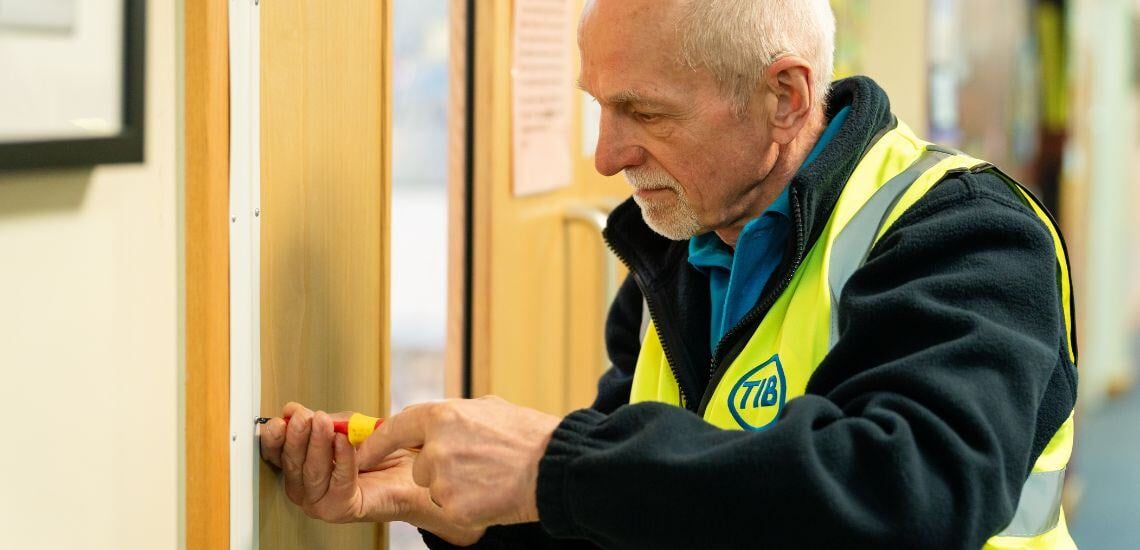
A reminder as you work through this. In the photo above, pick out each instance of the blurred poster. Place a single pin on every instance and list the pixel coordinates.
(947, 67)
(984, 82)
(542, 94)
(55, 15)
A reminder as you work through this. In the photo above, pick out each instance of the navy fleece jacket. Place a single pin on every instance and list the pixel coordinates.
(917, 430)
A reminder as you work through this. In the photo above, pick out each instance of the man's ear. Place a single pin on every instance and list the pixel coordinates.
(787, 83)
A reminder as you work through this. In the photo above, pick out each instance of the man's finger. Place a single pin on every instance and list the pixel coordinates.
(344, 473)
(272, 440)
(422, 468)
(293, 456)
(318, 460)
(291, 408)
(404, 430)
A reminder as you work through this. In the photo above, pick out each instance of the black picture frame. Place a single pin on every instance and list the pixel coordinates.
(125, 147)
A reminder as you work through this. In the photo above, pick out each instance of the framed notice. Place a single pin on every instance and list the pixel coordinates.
(73, 82)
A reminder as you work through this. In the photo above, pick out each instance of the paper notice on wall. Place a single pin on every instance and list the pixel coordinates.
(542, 92)
(55, 15)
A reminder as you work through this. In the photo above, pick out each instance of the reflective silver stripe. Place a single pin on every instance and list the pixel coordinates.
(1039, 508)
(854, 243)
(644, 319)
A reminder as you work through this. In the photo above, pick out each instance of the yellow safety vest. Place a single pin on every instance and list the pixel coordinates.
(801, 327)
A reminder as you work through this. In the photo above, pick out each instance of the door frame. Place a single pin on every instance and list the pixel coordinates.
(207, 248)
(207, 145)
(460, 198)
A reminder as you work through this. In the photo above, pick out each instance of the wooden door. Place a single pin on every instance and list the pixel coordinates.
(536, 304)
(324, 224)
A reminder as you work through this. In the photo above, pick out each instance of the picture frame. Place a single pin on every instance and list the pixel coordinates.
(125, 141)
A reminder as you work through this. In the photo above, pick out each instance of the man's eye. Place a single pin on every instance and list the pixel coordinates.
(646, 117)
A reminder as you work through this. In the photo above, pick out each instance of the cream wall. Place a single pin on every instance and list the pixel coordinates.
(887, 40)
(90, 339)
(895, 56)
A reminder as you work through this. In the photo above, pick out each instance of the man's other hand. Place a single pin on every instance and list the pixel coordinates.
(479, 460)
(320, 471)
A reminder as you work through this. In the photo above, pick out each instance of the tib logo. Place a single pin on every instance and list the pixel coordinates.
(758, 397)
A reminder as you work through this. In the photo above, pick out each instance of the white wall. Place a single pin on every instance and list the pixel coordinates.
(90, 339)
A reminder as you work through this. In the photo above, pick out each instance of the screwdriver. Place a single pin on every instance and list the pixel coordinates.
(358, 426)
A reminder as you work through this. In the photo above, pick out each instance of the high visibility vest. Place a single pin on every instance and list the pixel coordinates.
(802, 325)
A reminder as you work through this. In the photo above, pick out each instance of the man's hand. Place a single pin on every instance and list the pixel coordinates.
(321, 476)
(479, 459)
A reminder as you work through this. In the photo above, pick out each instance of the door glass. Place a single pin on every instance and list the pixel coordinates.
(419, 211)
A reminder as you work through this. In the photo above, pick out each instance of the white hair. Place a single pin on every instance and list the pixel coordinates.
(737, 40)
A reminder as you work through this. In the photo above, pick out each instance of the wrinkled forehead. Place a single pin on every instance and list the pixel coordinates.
(629, 38)
(646, 9)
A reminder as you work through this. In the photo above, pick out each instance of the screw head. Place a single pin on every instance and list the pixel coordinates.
(233, 219)
(234, 438)
(257, 212)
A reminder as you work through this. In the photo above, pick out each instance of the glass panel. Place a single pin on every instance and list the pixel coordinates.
(419, 211)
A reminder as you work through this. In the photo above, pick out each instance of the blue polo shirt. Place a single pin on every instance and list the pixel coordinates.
(736, 278)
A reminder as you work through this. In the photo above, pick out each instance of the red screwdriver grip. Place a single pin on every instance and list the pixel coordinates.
(340, 426)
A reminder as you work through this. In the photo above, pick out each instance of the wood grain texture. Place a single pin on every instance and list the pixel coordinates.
(324, 249)
(537, 326)
(456, 200)
(207, 274)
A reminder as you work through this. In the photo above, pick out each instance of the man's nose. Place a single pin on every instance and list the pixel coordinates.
(617, 150)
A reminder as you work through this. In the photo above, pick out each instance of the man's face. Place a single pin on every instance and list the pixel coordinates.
(694, 161)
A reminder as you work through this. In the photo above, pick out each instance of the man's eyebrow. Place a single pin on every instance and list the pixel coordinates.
(624, 98)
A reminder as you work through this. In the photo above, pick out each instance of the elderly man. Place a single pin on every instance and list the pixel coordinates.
(834, 334)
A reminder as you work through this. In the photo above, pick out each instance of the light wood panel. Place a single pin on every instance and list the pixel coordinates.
(454, 352)
(207, 274)
(325, 196)
(537, 325)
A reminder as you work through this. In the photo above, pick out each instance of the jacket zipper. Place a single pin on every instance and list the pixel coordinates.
(757, 312)
(770, 299)
(649, 302)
